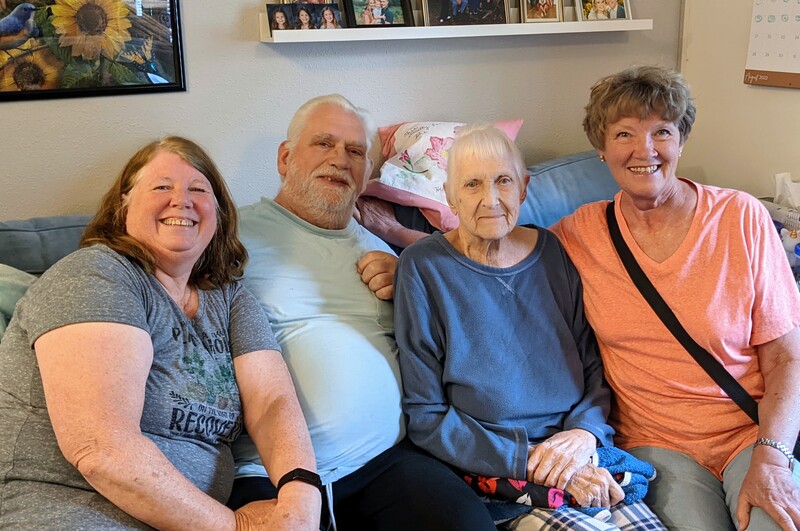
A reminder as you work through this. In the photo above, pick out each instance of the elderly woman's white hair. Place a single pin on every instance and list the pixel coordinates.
(483, 141)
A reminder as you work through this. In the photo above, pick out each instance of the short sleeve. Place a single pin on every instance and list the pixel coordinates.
(90, 285)
(250, 329)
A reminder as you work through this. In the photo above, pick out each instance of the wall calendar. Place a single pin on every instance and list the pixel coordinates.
(773, 56)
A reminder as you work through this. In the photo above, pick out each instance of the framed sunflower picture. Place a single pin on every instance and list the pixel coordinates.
(75, 48)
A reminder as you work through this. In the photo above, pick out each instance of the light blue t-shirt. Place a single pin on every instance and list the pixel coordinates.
(337, 338)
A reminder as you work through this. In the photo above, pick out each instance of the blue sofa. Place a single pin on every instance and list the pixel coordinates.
(557, 187)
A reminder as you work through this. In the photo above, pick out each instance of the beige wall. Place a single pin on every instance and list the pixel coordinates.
(59, 156)
(744, 134)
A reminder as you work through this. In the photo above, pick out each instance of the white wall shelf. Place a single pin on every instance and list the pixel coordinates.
(442, 32)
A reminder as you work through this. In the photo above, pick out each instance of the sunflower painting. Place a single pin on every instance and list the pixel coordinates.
(61, 48)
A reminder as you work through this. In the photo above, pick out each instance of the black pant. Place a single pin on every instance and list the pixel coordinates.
(402, 489)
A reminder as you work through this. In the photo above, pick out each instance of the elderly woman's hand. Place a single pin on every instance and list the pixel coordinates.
(292, 513)
(255, 515)
(595, 487)
(377, 271)
(554, 461)
(773, 489)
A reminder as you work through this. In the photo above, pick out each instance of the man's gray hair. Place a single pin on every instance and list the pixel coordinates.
(301, 117)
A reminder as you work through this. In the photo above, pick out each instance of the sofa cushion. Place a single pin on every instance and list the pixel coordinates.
(13, 285)
(559, 186)
(34, 244)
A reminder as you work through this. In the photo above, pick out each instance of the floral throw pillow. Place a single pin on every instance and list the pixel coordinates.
(416, 166)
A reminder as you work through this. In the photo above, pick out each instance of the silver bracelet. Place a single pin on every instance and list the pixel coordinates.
(782, 448)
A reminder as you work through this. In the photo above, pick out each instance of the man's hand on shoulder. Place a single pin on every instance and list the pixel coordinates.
(377, 216)
(377, 271)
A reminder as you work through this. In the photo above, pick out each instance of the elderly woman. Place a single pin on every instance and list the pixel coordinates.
(501, 373)
(127, 367)
(714, 256)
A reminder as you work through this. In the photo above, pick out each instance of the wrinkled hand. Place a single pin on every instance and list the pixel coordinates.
(376, 215)
(297, 511)
(255, 515)
(595, 487)
(773, 489)
(377, 271)
(554, 461)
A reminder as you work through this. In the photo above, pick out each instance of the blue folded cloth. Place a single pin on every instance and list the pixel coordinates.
(633, 475)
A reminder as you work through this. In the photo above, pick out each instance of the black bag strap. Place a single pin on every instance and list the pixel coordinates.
(708, 362)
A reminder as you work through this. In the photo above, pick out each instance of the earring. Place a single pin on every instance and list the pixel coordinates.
(602, 158)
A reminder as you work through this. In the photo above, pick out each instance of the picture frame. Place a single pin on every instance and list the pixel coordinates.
(599, 10)
(59, 55)
(329, 16)
(294, 13)
(303, 16)
(465, 12)
(541, 10)
(379, 13)
(280, 17)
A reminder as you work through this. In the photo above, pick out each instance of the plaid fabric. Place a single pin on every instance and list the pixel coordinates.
(636, 516)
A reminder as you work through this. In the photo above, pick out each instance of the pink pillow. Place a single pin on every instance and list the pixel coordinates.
(416, 166)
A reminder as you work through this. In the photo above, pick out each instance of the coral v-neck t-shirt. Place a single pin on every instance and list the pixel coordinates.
(731, 287)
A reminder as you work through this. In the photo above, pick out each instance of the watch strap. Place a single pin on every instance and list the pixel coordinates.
(300, 474)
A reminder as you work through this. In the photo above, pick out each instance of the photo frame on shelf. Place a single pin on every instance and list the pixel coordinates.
(329, 16)
(280, 17)
(465, 12)
(303, 16)
(378, 13)
(602, 10)
(134, 48)
(541, 10)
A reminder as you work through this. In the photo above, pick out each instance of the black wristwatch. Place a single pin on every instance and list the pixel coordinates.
(301, 474)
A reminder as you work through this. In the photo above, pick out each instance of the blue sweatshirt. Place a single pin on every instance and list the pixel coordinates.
(493, 359)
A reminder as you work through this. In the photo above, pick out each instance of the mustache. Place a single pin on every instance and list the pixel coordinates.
(333, 172)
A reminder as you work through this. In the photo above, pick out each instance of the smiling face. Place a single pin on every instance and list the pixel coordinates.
(280, 19)
(172, 210)
(642, 155)
(327, 14)
(486, 194)
(304, 17)
(326, 169)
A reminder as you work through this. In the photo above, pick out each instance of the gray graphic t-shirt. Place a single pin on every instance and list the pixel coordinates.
(192, 409)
